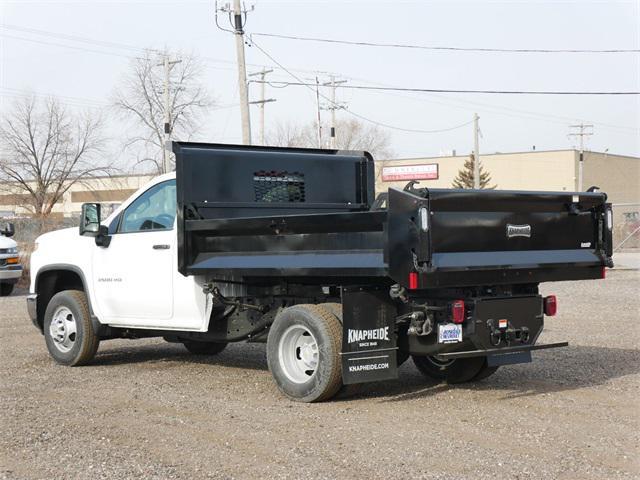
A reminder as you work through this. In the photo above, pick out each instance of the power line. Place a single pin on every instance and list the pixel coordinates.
(77, 38)
(30, 93)
(444, 90)
(351, 112)
(101, 43)
(43, 42)
(445, 100)
(443, 48)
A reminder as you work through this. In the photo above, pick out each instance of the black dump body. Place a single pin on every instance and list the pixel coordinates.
(261, 214)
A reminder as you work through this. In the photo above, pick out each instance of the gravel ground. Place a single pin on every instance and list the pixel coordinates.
(147, 409)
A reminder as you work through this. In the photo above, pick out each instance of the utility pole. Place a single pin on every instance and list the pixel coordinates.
(333, 107)
(262, 100)
(476, 152)
(242, 73)
(318, 109)
(581, 131)
(167, 64)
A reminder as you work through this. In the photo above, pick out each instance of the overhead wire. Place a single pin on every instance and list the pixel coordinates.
(447, 90)
(443, 48)
(448, 100)
(351, 112)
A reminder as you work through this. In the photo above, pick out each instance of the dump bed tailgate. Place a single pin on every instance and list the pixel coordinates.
(468, 237)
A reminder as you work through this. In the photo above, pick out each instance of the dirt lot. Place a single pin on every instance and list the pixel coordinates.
(147, 409)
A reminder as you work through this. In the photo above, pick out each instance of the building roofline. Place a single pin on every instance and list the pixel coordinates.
(507, 153)
(98, 177)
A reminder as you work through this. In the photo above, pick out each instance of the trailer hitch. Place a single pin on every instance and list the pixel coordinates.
(507, 333)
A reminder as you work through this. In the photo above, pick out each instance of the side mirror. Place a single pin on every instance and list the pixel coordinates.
(103, 239)
(90, 219)
(9, 230)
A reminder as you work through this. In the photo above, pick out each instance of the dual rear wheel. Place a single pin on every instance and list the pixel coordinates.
(459, 370)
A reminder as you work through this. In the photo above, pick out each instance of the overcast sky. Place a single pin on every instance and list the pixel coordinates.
(84, 74)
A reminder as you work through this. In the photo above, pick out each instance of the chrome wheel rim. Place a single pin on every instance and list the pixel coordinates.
(298, 354)
(63, 329)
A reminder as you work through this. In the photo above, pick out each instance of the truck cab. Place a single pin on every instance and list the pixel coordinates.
(134, 281)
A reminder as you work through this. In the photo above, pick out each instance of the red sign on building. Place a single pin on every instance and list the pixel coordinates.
(410, 172)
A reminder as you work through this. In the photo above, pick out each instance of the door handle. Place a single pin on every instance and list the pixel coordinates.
(161, 247)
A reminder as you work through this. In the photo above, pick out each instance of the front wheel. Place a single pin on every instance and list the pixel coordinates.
(68, 331)
(303, 353)
(458, 370)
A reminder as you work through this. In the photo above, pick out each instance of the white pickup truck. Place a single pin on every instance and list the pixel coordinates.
(10, 268)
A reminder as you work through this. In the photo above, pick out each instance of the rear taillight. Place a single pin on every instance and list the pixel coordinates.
(457, 311)
(603, 273)
(550, 305)
(413, 281)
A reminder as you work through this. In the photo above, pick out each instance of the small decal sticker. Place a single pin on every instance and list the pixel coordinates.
(518, 231)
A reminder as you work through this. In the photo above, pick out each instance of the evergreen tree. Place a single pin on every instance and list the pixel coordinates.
(464, 179)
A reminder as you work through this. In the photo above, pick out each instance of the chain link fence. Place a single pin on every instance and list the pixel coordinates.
(626, 226)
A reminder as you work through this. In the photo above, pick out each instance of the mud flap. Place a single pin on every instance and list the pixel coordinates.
(368, 336)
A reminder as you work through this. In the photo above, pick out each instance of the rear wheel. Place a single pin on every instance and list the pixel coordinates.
(452, 371)
(485, 371)
(6, 289)
(204, 348)
(68, 330)
(303, 353)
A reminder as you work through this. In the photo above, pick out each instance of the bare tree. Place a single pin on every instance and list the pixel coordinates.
(351, 134)
(46, 149)
(140, 98)
(288, 135)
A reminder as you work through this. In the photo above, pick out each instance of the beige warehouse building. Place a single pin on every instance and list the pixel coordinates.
(109, 190)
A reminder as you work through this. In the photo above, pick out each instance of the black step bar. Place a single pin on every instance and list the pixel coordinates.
(501, 351)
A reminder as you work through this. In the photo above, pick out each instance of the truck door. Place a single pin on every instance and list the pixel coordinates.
(133, 277)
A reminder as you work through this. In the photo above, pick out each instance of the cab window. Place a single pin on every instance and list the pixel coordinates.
(155, 209)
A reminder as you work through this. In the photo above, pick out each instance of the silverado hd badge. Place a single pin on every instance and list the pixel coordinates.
(518, 230)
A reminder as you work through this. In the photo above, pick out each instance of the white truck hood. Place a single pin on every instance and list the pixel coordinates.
(6, 242)
(58, 236)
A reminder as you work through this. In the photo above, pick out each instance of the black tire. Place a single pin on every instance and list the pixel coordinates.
(83, 344)
(485, 372)
(6, 289)
(401, 357)
(204, 348)
(335, 308)
(325, 332)
(459, 370)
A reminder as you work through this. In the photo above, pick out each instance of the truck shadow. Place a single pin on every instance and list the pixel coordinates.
(565, 369)
(250, 356)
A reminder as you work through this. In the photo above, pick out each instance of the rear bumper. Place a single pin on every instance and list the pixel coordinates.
(32, 309)
(502, 351)
(504, 356)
